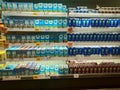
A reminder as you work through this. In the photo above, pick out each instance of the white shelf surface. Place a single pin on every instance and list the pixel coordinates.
(48, 58)
(57, 76)
(40, 30)
(96, 58)
(34, 14)
(97, 43)
(41, 44)
(91, 58)
(93, 15)
(95, 29)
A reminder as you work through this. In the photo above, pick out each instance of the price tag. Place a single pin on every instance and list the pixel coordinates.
(37, 43)
(41, 77)
(4, 78)
(70, 30)
(37, 29)
(70, 44)
(35, 14)
(76, 75)
(44, 77)
(38, 59)
(35, 77)
(46, 13)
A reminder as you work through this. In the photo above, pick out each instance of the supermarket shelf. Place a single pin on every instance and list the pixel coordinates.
(85, 75)
(87, 43)
(34, 14)
(92, 58)
(48, 58)
(96, 43)
(95, 58)
(40, 30)
(95, 30)
(93, 15)
(41, 44)
(36, 77)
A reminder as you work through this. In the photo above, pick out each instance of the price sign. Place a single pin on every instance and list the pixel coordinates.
(70, 30)
(35, 14)
(38, 59)
(70, 44)
(4, 78)
(35, 77)
(37, 43)
(37, 29)
(76, 75)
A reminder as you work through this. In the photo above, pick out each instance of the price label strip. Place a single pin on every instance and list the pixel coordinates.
(37, 29)
(37, 43)
(6, 78)
(35, 14)
(41, 77)
(76, 75)
(38, 59)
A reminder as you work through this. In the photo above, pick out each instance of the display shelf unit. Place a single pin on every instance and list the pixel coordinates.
(53, 81)
(97, 15)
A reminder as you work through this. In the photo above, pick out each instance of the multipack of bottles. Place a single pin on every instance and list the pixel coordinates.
(43, 7)
(39, 23)
(109, 10)
(94, 37)
(82, 9)
(36, 51)
(85, 9)
(36, 37)
(78, 67)
(18, 23)
(93, 50)
(60, 23)
(93, 22)
(33, 68)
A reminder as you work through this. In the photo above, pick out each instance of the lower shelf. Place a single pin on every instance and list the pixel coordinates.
(63, 83)
(64, 76)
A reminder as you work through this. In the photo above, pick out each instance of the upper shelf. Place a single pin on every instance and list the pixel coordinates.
(34, 14)
(93, 15)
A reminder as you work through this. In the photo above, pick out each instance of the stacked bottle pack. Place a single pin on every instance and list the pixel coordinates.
(44, 7)
(78, 67)
(82, 9)
(93, 22)
(94, 37)
(21, 23)
(48, 68)
(85, 9)
(36, 51)
(109, 10)
(50, 23)
(40, 23)
(36, 37)
(94, 50)
(33, 68)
